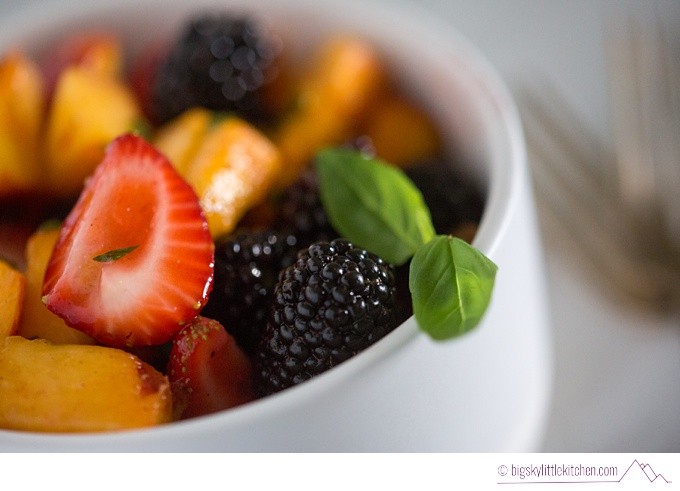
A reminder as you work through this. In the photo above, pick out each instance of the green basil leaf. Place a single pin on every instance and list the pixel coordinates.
(451, 284)
(373, 204)
(115, 254)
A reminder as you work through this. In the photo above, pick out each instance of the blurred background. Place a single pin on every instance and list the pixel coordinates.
(617, 365)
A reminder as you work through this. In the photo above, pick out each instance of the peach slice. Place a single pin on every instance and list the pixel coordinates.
(89, 110)
(22, 107)
(180, 138)
(233, 170)
(12, 290)
(231, 165)
(76, 388)
(401, 132)
(36, 320)
(344, 79)
(101, 52)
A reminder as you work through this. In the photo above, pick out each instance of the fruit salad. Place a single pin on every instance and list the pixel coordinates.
(202, 226)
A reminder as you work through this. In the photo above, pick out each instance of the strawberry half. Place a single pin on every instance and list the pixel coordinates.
(134, 260)
(207, 370)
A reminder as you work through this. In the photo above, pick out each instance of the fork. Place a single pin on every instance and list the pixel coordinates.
(619, 204)
(644, 73)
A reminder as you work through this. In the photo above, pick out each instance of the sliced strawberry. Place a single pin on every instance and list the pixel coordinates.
(207, 370)
(134, 259)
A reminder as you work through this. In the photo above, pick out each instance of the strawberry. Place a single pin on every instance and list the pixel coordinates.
(207, 370)
(134, 259)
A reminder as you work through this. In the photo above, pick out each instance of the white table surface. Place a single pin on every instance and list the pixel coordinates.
(617, 370)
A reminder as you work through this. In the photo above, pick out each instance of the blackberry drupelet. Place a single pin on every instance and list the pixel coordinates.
(247, 266)
(300, 210)
(222, 63)
(332, 303)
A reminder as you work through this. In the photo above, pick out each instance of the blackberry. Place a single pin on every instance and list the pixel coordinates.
(451, 198)
(300, 210)
(332, 303)
(247, 266)
(220, 62)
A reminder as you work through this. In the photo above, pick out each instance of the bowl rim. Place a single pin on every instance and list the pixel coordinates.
(506, 177)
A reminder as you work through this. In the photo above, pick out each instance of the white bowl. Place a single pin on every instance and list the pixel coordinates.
(485, 391)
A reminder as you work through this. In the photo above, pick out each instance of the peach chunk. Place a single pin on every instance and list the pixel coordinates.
(231, 165)
(344, 80)
(22, 106)
(401, 132)
(36, 320)
(12, 288)
(78, 388)
(89, 109)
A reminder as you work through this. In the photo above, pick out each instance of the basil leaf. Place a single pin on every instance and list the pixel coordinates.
(451, 284)
(373, 204)
(115, 254)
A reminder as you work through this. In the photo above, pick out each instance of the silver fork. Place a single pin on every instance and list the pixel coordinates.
(620, 204)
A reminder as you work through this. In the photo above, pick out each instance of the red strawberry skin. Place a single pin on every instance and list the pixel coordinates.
(134, 199)
(207, 370)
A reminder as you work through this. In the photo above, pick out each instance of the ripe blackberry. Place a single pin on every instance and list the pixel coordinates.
(451, 198)
(332, 303)
(300, 210)
(247, 266)
(220, 62)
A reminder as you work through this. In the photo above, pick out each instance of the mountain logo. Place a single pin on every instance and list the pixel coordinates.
(636, 467)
